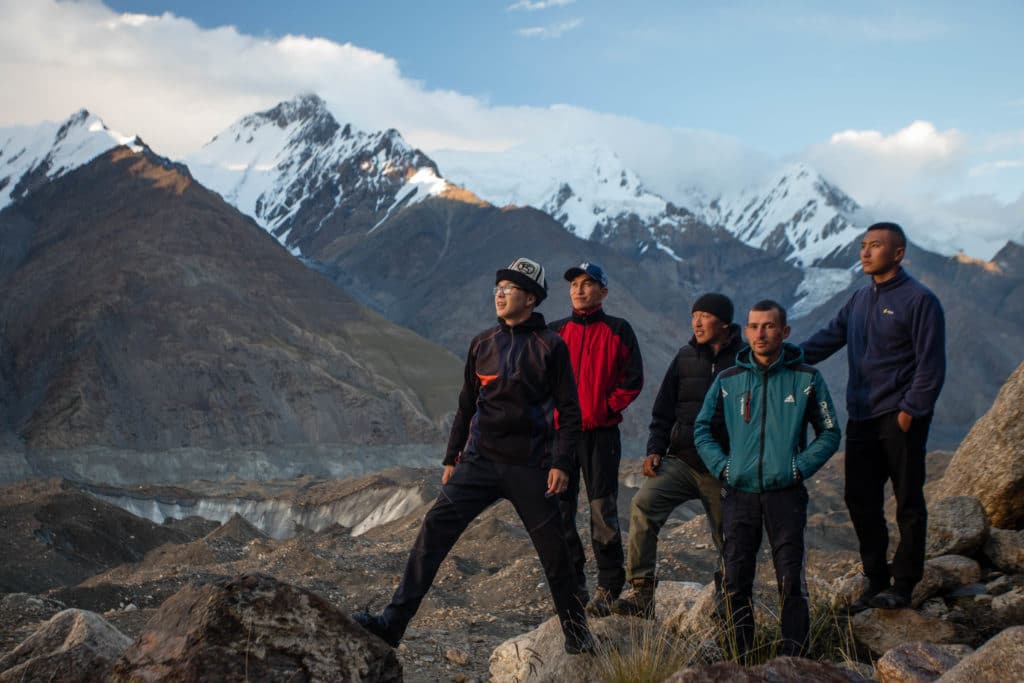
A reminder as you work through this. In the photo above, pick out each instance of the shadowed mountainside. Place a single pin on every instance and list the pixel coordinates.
(141, 311)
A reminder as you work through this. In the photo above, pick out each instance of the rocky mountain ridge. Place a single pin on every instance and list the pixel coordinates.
(140, 311)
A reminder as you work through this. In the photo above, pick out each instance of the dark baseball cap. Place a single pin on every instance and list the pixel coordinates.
(591, 270)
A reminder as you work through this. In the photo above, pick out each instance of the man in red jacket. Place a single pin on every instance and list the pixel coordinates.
(609, 374)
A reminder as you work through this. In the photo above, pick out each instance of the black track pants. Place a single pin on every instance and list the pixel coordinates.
(598, 453)
(475, 484)
(878, 450)
(783, 514)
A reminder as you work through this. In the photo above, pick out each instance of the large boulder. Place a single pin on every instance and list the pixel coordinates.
(778, 670)
(254, 628)
(989, 464)
(956, 526)
(1005, 549)
(942, 574)
(881, 630)
(21, 614)
(74, 645)
(918, 662)
(1000, 659)
(539, 655)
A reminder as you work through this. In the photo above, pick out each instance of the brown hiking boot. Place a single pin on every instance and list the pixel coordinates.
(639, 602)
(601, 604)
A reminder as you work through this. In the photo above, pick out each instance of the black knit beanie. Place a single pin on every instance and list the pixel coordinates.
(716, 304)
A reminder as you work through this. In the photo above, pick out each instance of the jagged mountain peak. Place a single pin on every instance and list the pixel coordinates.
(30, 156)
(796, 214)
(295, 169)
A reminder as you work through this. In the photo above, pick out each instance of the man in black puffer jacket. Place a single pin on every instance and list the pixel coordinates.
(503, 444)
(675, 473)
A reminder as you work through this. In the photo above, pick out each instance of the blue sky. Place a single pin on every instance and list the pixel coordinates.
(777, 75)
(913, 108)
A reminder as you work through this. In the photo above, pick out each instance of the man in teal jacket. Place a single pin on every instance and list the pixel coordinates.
(766, 401)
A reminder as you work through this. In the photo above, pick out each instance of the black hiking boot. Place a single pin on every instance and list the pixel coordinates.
(375, 624)
(891, 598)
(864, 601)
(639, 602)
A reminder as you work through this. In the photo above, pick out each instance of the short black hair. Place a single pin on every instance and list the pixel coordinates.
(895, 229)
(771, 305)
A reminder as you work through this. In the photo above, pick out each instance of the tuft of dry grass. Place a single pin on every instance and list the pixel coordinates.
(652, 652)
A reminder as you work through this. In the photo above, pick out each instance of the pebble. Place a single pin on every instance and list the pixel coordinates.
(457, 657)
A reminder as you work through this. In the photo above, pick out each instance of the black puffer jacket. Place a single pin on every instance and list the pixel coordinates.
(515, 378)
(682, 394)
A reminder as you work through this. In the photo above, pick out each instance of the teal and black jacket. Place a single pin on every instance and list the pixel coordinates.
(766, 413)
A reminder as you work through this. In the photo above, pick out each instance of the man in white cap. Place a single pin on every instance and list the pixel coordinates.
(503, 444)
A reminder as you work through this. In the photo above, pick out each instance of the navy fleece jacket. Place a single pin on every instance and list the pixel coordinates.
(895, 338)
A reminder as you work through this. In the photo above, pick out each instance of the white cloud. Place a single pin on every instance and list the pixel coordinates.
(551, 31)
(538, 5)
(177, 85)
(873, 166)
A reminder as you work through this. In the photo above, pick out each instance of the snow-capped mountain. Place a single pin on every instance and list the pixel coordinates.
(583, 188)
(295, 169)
(33, 155)
(799, 215)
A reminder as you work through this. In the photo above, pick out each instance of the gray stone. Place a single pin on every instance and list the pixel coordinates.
(778, 670)
(1008, 608)
(999, 660)
(989, 464)
(539, 655)
(945, 573)
(1006, 550)
(882, 630)
(918, 662)
(74, 645)
(956, 526)
(254, 628)
(1000, 585)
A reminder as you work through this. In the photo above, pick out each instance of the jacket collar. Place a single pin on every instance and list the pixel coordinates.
(734, 344)
(588, 317)
(791, 355)
(895, 281)
(535, 321)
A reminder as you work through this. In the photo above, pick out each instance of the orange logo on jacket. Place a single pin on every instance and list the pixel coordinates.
(485, 379)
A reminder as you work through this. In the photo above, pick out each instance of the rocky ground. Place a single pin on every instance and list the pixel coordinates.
(65, 547)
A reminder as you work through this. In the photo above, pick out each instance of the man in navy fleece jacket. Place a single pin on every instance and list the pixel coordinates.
(894, 331)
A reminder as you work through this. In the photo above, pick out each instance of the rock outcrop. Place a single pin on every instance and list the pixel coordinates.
(778, 670)
(989, 464)
(882, 630)
(1006, 550)
(74, 645)
(956, 526)
(254, 628)
(918, 662)
(1000, 659)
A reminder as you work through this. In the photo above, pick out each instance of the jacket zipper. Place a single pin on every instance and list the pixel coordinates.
(764, 422)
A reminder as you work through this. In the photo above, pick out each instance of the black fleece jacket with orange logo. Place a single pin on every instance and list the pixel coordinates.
(515, 378)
